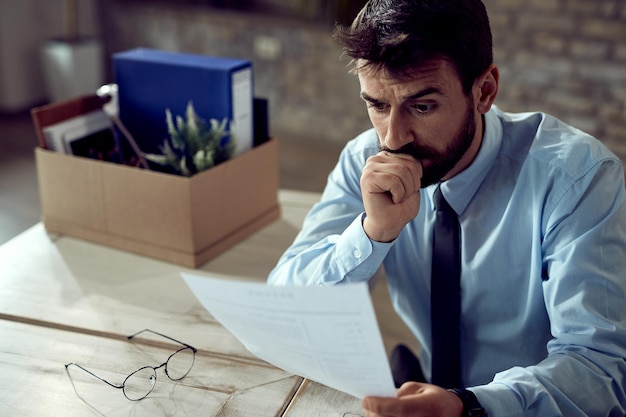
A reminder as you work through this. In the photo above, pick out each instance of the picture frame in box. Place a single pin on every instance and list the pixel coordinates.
(80, 126)
(87, 135)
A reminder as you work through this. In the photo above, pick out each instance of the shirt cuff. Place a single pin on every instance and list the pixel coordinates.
(497, 400)
(360, 257)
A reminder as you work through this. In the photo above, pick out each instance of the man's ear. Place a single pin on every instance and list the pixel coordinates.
(486, 88)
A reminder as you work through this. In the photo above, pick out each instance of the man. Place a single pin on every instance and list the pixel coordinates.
(541, 214)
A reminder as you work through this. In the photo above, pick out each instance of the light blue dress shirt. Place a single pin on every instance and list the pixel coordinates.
(542, 210)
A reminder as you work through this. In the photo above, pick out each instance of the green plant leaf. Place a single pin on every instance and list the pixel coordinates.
(193, 144)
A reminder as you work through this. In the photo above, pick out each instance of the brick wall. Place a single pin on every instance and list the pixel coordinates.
(311, 94)
(565, 57)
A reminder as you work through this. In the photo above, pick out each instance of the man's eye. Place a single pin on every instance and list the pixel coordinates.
(379, 107)
(424, 108)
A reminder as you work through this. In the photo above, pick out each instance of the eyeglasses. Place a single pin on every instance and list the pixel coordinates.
(140, 383)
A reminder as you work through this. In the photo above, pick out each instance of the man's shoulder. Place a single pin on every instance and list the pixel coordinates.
(549, 141)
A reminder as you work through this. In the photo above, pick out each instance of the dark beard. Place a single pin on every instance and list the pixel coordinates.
(442, 163)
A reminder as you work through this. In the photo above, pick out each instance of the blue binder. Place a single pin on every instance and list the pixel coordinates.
(151, 81)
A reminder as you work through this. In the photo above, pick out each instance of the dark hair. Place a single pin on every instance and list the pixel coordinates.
(402, 35)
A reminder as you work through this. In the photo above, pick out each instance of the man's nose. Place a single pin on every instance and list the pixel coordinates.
(398, 132)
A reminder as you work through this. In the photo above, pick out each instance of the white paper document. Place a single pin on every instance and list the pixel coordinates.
(326, 334)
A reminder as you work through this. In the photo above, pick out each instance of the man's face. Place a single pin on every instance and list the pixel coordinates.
(426, 115)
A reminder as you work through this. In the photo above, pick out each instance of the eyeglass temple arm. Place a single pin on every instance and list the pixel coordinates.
(67, 365)
(162, 335)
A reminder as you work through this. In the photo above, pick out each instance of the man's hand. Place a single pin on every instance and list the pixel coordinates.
(415, 399)
(390, 185)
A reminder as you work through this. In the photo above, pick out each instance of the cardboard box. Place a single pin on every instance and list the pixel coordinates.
(178, 219)
(184, 220)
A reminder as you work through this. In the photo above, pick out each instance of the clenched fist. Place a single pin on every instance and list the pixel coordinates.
(390, 185)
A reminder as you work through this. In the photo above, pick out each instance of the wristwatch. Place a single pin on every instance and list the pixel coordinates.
(471, 406)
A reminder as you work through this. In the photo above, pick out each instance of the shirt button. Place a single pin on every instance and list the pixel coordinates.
(357, 254)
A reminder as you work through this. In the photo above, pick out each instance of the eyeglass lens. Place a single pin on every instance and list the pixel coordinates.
(140, 383)
(179, 363)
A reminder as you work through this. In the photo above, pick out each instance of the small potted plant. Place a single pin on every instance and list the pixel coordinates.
(72, 63)
(193, 145)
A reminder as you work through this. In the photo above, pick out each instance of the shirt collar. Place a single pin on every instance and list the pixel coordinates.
(459, 190)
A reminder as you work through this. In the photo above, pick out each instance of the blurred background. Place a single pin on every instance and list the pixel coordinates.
(564, 57)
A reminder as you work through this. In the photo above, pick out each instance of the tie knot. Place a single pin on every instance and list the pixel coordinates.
(440, 202)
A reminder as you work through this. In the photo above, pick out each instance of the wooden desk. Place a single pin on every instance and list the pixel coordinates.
(66, 300)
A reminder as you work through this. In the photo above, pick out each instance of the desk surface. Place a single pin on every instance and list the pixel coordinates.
(66, 300)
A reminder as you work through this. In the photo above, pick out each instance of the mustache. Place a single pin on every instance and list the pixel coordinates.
(418, 152)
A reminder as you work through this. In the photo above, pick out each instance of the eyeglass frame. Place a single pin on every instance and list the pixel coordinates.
(154, 368)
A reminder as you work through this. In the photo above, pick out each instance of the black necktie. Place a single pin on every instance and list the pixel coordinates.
(446, 297)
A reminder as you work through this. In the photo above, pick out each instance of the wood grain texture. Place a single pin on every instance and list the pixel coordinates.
(67, 300)
(35, 382)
